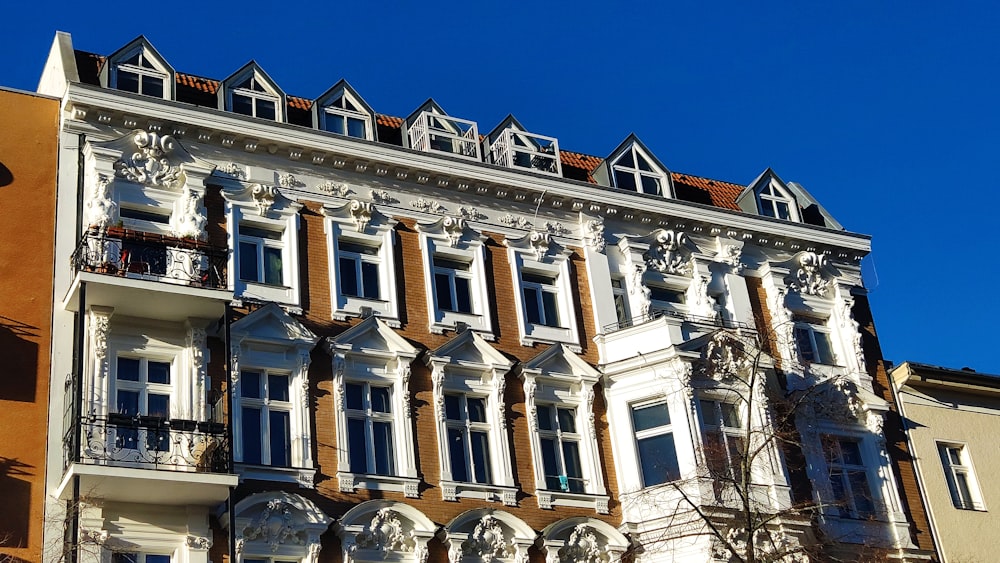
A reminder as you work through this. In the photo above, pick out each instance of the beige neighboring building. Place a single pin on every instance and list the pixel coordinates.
(953, 418)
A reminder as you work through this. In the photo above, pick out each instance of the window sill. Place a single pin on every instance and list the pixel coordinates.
(349, 482)
(547, 500)
(454, 490)
(570, 343)
(449, 321)
(304, 477)
(349, 307)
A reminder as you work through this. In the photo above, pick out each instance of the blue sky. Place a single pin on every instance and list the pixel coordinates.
(885, 112)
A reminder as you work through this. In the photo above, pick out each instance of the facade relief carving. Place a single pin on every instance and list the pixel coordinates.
(809, 277)
(385, 533)
(487, 541)
(188, 219)
(339, 189)
(263, 197)
(668, 253)
(100, 205)
(150, 163)
(361, 213)
(453, 228)
(583, 547)
(593, 235)
(274, 526)
(539, 242)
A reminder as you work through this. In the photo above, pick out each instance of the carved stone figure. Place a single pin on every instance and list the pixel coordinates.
(150, 163)
(808, 278)
(188, 220)
(100, 206)
(385, 533)
(668, 254)
(487, 540)
(593, 235)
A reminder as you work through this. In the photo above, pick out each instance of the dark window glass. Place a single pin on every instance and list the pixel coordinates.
(335, 123)
(248, 262)
(650, 185)
(265, 109)
(272, 266)
(531, 310)
(644, 418)
(625, 180)
(357, 444)
(369, 274)
(128, 81)
(551, 309)
(545, 417)
(158, 372)
(380, 399)
(277, 387)
(152, 86)
(355, 396)
(250, 421)
(481, 457)
(477, 409)
(658, 459)
(128, 369)
(158, 405)
(355, 127)
(250, 387)
(348, 277)
(442, 291)
(128, 402)
(382, 436)
(574, 468)
(281, 454)
(456, 453)
(452, 407)
(463, 296)
(567, 420)
(550, 465)
(242, 104)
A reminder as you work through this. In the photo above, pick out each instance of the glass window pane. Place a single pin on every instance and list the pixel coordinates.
(463, 295)
(348, 277)
(658, 459)
(128, 402)
(258, 232)
(477, 409)
(250, 384)
(863, 502)
(158, 405)
(335, 123)
(644, 418)
(965, 495)
(452, 407)
(248, 262)
(277, 387)
(574, 467)
(824, 350)
(124, 557)
(158, 372)
(447, 264)
(708, 416)
(803, 341)
(128, 369)
(626, 160)
(250, 424)
(356, 127)
(551, 308)
(157, 559)
(355, 396)
(545, 417)
(456, 453)
(783, 212)
(128, 81)
(380, 399)
(152, 86)
(355, 248)
(625, 180)
(650, 185)
(730, 415)
(357, 445)
(767, 208)
(481, 457)
(531, 310)
(281, 439)
(242, 104)
(955, 455)
(382, 436)
(265, 109)
(369, 274)
(851, 452)
(643, 163)
(550, 464)
(442, 292)
(567, 420)
(272, 266)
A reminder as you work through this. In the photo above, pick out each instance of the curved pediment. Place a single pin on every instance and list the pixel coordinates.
(149, 158)
(453, 229)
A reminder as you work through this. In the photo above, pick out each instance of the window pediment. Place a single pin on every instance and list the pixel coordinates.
(265, 200)
(385, 530)
(488, 535)
(280, 523)
(272, 324)
(559, 363)
(632, 167)
(343, 111)
(453, 230)
(362, 215)
(582, 540)
(469, 351)
(252, 92)
(372, 336)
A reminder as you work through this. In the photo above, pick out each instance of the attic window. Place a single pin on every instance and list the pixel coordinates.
(774, 203)
(434, 132)
(344, 116)
(520, 149)
(251, 98)
(633, 171)
(140, 75)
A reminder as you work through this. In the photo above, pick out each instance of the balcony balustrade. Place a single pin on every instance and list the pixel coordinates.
(520, 149)
(440, 133)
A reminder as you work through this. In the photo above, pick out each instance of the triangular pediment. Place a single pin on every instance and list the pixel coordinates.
(150, 54)
(471, 350)
(372, 336)
(430, 106)
(271, 323)
(557, 360)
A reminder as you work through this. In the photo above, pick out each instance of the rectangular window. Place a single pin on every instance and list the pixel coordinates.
(344, 122)
(621, 301)
(265, 418)
(724, 438)
(541, 298)
(369, 428)
(961, 481)
(655, 444)
(848, 477)
(813, 343)
(359, 269)
(142, 392)
(453, 285)
(468, 438)
(260, 255)
(560, 444)
(137, 74)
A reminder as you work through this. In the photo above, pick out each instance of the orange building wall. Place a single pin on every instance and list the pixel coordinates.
(28, 142)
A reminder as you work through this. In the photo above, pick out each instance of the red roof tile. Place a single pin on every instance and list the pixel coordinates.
(388, 120)
(200, 84)
(721, 194)
(299, 103)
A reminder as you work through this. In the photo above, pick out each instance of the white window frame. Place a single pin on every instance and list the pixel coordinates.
(138, 556)
(265, 404)
(559, 379)
(260, 245)
(450, 239)
(375, 231)
(254, 96)
(772, 194)
(637, 173)
(461, 133)
(668, 429)
(619, 291)
(717, 425)
(327, 110)
(240, 210)
(355, 361)
(479, 374)
(145, 199)
(525, 256)
(850, 511)
(964, 468)
(159, 70)
(812, 328)
(370, 417)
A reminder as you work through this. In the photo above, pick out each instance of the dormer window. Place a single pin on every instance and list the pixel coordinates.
(251, 98)
(343, 117)
(634, 172)
(774, 203)
(138, 74)
(511, 146)
(429, 129)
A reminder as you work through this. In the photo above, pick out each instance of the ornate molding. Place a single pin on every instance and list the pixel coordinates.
(288, 180)
(428, 206)
(453, 228)
(361, 213)
(150, 163)
(339, 189)
(539, 242)
(188, 219)
(100, 206)
(385, 533)
(471, 213)
(233, 169)
(488, 541)
(593, 235)
(556, 227)
(198, 542)
(668, 253)
(518, 222)
(808, 278)
(583, 547)
(263, 197)
(274, 526)
(382, 197)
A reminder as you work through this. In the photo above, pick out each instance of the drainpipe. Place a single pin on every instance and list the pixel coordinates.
(80, 329)
(229, 433)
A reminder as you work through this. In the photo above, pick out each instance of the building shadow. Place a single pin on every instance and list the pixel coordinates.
(20, 376)
(6, 177)
(15, 492)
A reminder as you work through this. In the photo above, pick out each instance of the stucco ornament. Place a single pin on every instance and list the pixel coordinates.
(385, 533)
(732, 255)
(100, 206)
(854, 329)
(361, 213)
(840, 402)
(339, 189)
(583, 547)
(150, 163)
(769, 546)
(667, 254)
(453, 228)
(808, 278)
(263, 197)
(539, 243)
(273, 525)
(488, 540)
(188, 220)
(288, 180)
(198, 542)
(726, 358)
(428, 205)
(593, 235)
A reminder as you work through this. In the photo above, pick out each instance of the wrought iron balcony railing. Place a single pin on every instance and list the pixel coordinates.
(149, 443)
(716, 321)
(140, 255)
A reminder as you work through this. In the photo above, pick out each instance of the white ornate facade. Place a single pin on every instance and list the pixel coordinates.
(338, 330)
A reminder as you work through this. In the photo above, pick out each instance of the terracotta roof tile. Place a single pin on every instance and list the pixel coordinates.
(719, 193)
(200, 84)
(299, 103)
(388, 120)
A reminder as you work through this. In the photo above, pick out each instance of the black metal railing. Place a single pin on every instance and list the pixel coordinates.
(136, 254)
(149, 443)
(716, 321)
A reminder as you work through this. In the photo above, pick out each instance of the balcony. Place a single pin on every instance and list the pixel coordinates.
(121, 266)
(148, 459)
(434, 132)
(520, 149)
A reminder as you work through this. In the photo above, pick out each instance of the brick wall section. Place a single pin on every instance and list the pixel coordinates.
(415, 320)
(895, 438)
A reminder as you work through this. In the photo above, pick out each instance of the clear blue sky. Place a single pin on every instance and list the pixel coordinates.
(887, 113)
